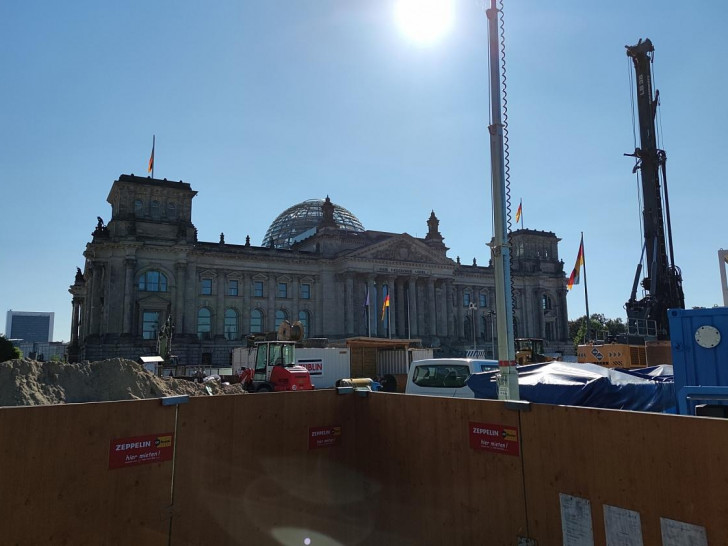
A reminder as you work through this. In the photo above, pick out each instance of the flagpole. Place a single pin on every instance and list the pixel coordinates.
(586, 293)
(151, 158)
(389, 320)
(409, 326)
(369, 323)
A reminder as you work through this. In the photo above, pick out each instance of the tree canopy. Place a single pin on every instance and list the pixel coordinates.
(600, 327)
(8, 351)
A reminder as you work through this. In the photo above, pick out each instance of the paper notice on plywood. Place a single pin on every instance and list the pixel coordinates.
(576, 522)
(622, 527)
(678, 533)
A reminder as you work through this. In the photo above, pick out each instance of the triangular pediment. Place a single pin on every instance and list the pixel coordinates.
(401, 248)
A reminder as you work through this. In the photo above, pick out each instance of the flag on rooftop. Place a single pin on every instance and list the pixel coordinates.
(151, 158)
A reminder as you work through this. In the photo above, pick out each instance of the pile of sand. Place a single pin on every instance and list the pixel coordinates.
(30, 383)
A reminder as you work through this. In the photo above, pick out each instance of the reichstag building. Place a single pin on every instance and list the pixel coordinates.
(317, 264)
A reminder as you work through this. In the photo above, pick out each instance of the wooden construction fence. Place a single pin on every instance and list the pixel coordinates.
(346, 469)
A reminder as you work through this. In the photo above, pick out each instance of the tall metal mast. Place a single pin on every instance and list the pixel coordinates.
(663, 280)
(508, 381)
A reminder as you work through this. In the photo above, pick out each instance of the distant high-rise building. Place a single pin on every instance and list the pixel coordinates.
(29, 326)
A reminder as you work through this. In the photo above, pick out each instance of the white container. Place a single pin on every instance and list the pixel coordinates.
(326, 365)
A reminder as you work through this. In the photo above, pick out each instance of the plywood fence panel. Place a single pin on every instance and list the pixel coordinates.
(660, 466)
(55, 483)
(430, 486)
(245, 473)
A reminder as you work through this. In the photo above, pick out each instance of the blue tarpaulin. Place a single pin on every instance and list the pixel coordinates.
(590, 385)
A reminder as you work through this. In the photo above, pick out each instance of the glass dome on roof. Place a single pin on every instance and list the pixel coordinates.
(300, 221)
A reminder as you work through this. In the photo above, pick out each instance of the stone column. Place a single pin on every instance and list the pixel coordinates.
(401, 307)
(180, 269)
(219, 329)
(190, 302)
(562, 328)
(96, 307)
(431, 310)
(270, 312)
(371, 311)
(129, 291)
(245, 309)
(413, 306)
(296, 287)
(440, 298)
(76, 303)
(449, 309)
(318, 303)
(349, 305)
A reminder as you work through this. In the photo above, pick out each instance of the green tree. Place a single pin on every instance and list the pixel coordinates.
(8, 351)
(600, 327)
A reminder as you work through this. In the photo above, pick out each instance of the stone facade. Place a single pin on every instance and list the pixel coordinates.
(147, 265)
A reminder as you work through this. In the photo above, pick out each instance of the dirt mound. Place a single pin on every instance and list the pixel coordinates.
(30, 383)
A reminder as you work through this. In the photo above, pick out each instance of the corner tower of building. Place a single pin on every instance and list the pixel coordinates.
(148, 207)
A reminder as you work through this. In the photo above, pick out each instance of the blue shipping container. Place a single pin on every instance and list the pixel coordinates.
(699, 340)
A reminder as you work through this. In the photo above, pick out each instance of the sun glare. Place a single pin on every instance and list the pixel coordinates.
(424, 21)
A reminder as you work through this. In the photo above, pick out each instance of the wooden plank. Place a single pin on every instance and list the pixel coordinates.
(55, 483)
(658, 465)
(246, 467)
(432, 488)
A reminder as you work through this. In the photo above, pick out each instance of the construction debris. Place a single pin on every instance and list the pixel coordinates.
(30, 383)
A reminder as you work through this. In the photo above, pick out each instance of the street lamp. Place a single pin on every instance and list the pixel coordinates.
(473, 307)
(491, 314)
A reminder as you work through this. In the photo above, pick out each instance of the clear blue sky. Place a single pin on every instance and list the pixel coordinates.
(261, 104)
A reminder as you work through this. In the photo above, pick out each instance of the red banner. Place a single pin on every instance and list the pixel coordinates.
(152, 448)
(324, 436)
(494, 438)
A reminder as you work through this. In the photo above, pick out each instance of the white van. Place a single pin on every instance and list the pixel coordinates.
(445, 376)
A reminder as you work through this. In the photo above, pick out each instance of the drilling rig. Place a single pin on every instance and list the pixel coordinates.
(647, 320)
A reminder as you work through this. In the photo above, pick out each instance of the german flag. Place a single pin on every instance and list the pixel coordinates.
(385, 305)
(151, 158)
(576, 273)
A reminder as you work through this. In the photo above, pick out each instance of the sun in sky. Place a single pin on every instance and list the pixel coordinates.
(424, 21)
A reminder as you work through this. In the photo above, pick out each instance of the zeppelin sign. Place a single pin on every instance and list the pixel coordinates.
(495, 438)
(153, 448)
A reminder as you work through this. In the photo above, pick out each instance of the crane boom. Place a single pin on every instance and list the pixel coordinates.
(663, 280)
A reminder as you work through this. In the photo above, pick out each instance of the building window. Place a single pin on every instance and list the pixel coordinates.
(256, 321)
(138, 207)
(233, 288)
(150, 324)
(153, 281)
(483, 300)
(206, 287)
(204, 323)
(231, 324)
(546, 302)
(281, 315)
(282, 289)
(466, 299)
(258, 289)
(171, 210)
(305, 291)
(155, 210)
(305, 319)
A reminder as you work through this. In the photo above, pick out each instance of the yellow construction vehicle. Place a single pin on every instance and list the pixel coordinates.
(529, 350)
